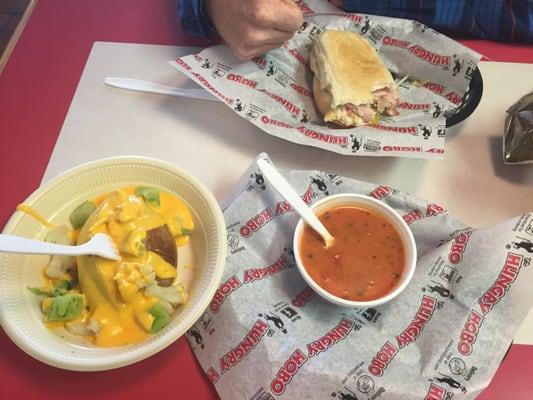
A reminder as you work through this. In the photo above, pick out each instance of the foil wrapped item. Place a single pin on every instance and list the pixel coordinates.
(518, 134)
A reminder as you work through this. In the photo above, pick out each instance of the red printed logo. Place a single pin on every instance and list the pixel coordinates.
(256, 223)
(434, 87)
(435, 393)
(331, 338)
(323, 137)
(458, 247)
(469, 333)
(388, 41)
(411, 130)
(260, 61)
(415, 328)
(436, 150)
(283, 206)
(303, 297)
(269, 121)
(412, 106)
(429, 56)
(182, 63)
(437, 88)
(303, 7)
(301, 90)
(380, 192)
(405, 149)
(224, 291)
(431, 211)
(287, 372)
(354, 18)
(293, 109)
(242, 80)
(419, 51)
(434, 209)
(412, 216)
(453, 98)
(382, 360)
(298, 56)
(255, 274)
(209, 87)
(240, 352)
(213, 375)
(502, 284)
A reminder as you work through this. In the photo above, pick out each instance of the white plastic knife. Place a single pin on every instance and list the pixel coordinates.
(151, 87)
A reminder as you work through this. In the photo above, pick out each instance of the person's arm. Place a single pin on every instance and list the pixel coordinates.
(488, 19)
(194, 18)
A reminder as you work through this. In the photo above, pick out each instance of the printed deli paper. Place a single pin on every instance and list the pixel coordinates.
(274, 91)
(267, 335)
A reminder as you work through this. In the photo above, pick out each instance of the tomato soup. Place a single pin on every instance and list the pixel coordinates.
(366, 260)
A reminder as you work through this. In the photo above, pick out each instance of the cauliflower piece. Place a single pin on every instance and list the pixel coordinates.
(130, 209)
(175, 294)
(131, 277)
(93, 326)
(59, 265)
(79, 326)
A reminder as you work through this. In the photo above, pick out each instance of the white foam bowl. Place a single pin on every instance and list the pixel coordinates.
(20, 314)
(371, 204)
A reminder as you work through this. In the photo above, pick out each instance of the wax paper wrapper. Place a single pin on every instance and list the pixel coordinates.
(274, 91)
(518, 135)
(267, 335)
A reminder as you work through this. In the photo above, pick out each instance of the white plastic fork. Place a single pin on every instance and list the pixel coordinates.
(99, 245)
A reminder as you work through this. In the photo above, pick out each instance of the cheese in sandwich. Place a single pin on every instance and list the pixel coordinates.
(351, 86)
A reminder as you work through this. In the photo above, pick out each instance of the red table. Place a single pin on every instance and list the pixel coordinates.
(36, 89)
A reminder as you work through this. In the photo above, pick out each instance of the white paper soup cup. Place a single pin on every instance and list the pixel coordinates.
(376, 206)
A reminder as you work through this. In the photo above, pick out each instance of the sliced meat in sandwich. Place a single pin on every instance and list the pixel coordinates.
(351, 86)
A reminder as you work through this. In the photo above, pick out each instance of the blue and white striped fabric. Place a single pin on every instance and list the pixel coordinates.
(505, 20)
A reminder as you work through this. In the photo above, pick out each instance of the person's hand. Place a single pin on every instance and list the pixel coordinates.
(253, 27)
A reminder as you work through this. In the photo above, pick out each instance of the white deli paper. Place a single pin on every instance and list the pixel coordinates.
(267, 335)
(274, 91)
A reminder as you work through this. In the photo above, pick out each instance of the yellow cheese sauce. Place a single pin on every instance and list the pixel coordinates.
(30, 211)
(117, 310)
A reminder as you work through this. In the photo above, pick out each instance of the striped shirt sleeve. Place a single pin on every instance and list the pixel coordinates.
(194, 19)
(505, 20)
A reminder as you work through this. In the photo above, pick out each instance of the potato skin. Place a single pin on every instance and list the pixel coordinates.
(160, 241)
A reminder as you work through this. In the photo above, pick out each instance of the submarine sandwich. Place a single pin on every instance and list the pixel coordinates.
(351, 86)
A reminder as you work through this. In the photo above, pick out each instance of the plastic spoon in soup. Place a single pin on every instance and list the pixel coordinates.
(288, 193)
(99, 245)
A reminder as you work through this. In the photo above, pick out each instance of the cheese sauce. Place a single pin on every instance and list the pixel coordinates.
(119, 297)
(112, 288)
(30, 211)
(366, 260)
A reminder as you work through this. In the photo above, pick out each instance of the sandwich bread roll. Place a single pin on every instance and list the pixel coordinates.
(351, 86)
